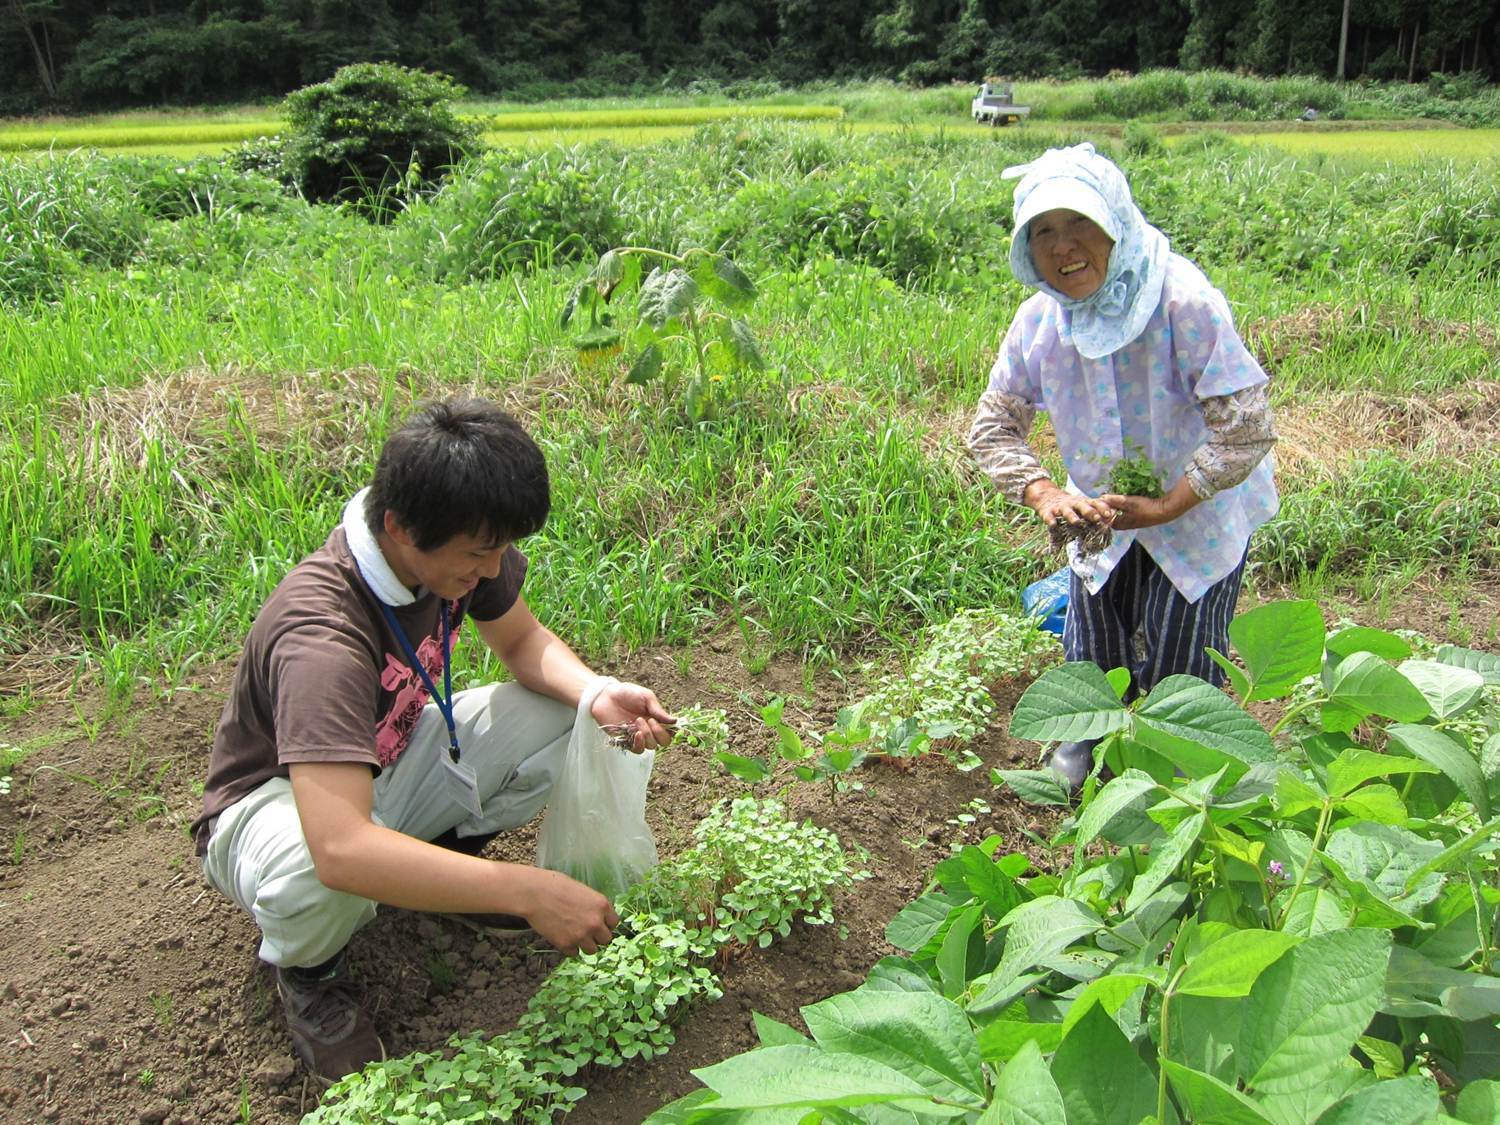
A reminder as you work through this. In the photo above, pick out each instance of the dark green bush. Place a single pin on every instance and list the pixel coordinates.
(375, 133)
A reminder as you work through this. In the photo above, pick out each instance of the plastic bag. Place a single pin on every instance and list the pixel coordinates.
(595, 828)
(1047, 601)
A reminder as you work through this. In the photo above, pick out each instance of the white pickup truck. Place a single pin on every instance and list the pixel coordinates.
(993, 105)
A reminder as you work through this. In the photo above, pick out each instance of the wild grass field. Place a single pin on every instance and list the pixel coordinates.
(197, 368)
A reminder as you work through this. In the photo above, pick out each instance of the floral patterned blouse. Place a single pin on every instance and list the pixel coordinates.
(1186, 393)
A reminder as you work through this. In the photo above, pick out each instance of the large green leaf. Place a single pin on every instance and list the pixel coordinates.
(963, 946)
(922, 1035)
(1412, 1100)
(972, 872)
(1417, 986)
(1126, 792)
(667, 295)
(1108, 992)
(806, 1076)
(1230, 966)
(701, 1107)
(1487, 664)
(1003, 1039)
(721, 279)
(1280, 644)
(1068, 702)
(647, 365)
(1166, 857)
(1361, 638)
(1355, 765)
(747, 769)
(1449, 857)
(898, 974)
(1025, 1093)
(1316, 910)
(1207, 1099)
(919, 922)
(1191, 709)
(1304, 1013)
(1102, 1079)
(1382, 857)
(1435, 747)
(1447, 689)
(1034, 931)
(1364, 685)
(774, 1033)
(742, 344)
(1205, 1030)
(1380, 803)
(1141, 928)
(1035, 787)
(1479, 1103)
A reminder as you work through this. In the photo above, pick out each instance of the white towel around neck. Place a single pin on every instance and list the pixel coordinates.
(373, 568)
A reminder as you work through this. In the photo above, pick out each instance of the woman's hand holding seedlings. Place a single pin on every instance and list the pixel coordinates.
(1134, 512)
(1053, 504)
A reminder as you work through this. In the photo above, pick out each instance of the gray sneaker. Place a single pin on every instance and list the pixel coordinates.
(1073, 761)
(330, 1031)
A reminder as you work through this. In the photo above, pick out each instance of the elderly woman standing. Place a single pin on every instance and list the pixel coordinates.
(1130, 350)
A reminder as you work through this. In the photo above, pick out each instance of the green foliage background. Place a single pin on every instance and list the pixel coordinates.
(68, 53)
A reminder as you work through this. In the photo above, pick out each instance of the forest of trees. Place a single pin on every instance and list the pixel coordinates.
(72, 54)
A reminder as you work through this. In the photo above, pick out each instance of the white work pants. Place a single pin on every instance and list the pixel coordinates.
(512, 738)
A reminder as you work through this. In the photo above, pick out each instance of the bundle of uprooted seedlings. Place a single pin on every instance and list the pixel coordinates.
(1091, 537)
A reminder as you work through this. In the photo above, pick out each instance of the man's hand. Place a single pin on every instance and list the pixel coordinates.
(633, 705)
(573, 917)
(1144, 511)
(1053, 505)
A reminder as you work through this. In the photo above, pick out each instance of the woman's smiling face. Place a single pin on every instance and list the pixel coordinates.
(1070, 252)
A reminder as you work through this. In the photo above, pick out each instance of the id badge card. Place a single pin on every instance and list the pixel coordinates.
(462, 785)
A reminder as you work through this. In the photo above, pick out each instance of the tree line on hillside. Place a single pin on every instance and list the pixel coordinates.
(72, 54)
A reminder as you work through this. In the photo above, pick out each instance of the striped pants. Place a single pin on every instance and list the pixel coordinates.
(1139, 621)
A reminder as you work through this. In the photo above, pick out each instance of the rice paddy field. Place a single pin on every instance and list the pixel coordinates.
(196, 367)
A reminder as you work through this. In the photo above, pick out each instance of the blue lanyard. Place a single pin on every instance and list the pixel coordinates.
(444, 702)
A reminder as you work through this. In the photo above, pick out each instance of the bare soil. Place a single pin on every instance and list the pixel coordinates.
(130, 990)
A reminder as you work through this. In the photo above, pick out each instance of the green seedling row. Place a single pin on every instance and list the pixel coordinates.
(749, 877)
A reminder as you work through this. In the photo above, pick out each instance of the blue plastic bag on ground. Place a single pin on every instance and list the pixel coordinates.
(1047, 600)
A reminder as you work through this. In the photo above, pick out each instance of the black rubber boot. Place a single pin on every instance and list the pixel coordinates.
(1073, 761)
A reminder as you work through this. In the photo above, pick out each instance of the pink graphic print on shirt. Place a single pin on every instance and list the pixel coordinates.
(393, 731)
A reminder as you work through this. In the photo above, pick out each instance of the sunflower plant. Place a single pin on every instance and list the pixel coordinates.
(676, 316)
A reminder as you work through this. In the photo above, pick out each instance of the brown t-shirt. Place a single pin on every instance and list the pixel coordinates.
(323, 679)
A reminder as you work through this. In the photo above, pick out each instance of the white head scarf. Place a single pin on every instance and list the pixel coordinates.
(1081, 180)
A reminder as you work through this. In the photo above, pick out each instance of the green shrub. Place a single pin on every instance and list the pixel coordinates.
(1210, 95)
(166, 189)
(913, 224)
(375, 132)
(58, 212)
(508, 209)
(1142, 140)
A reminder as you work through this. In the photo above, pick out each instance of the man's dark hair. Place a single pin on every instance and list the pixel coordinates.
(461, 467)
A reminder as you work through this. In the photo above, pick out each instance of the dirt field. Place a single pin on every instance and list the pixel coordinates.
(131, 991)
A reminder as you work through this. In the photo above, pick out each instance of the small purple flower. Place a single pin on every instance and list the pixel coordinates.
(1275, 869)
